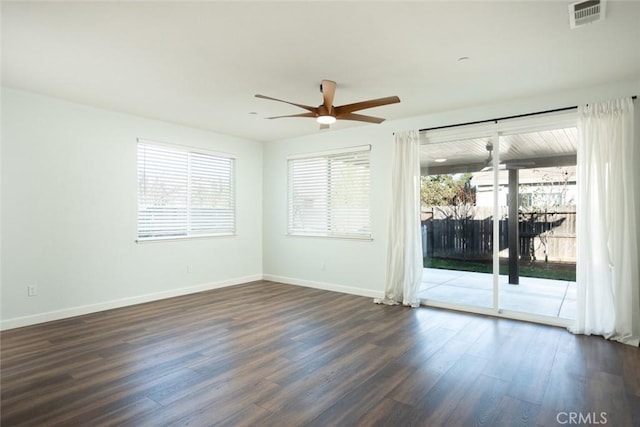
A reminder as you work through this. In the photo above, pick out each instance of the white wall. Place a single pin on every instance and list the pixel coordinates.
(352, 266)
(68, 218)
(360, 267)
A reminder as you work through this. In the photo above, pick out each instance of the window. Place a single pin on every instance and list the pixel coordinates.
(329, 194)
(184, 192)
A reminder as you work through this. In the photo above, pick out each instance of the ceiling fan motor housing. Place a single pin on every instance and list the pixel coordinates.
(322, 110)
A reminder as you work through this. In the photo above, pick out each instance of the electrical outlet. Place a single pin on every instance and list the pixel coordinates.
(189, 268)
(323, 266)
(32, 290)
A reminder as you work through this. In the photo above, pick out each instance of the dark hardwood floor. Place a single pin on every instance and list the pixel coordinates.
(268, 354)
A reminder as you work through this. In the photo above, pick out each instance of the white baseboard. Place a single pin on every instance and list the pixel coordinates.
(325, 286)
(19, 322)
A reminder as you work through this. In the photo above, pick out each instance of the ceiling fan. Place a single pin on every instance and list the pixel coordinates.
(326, 114)
(504, 165)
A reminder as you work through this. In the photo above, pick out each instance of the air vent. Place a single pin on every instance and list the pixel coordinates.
(586, 12)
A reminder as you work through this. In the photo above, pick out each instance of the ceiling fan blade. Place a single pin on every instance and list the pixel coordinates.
(306, 107)
(363, 105)
(360, 118)
(294, 115)
(328, 88)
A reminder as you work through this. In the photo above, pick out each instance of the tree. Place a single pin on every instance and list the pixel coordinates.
(542, 202)
(452, 195)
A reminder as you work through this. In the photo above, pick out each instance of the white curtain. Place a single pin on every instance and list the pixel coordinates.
(404, 257)
(607, 255)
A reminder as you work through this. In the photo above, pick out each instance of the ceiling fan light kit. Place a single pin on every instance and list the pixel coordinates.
(327, 114)
(326, 120)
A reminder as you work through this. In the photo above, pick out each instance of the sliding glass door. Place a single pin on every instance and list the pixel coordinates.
(539, 230)
(457, 223)
(498, 220)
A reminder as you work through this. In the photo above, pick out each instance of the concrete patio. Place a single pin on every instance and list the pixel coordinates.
(554, 298)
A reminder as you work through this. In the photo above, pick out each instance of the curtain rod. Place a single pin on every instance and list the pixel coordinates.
(557, 110)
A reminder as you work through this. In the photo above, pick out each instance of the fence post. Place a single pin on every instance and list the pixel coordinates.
(424, 240)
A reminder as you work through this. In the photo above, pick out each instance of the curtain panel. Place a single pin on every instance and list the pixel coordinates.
(404, 256)
(607, 276)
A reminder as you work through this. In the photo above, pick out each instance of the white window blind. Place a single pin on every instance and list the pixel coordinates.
(329, 194)
(184, 192)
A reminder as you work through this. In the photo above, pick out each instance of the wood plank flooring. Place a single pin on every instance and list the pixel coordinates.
(269, 354)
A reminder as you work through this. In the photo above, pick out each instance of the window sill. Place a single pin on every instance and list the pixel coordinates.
(178, 238)
(322, 236)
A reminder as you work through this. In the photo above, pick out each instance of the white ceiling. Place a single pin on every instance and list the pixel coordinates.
(200, 63)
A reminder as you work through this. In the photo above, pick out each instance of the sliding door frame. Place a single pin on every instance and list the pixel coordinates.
(495, 131)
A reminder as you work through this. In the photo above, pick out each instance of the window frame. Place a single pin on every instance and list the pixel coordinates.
(331, 218)
(189, 150)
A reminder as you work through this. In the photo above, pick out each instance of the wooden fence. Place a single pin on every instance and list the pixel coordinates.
(543, 235)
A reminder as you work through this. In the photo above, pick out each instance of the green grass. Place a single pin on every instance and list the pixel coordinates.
(539, 269)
